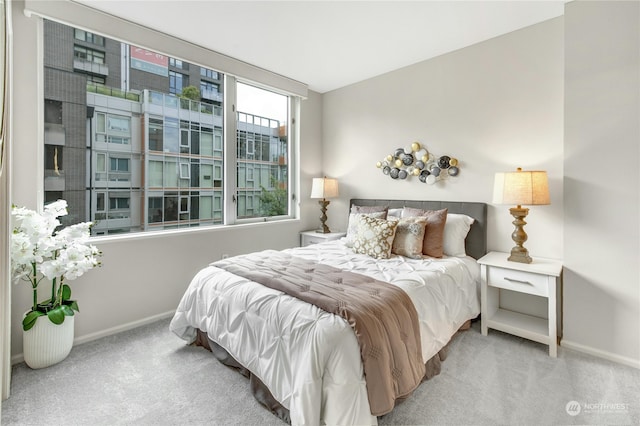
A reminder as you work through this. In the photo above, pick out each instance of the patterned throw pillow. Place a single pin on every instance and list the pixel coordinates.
(374, 237)
(352, 227)
(410, 237)
(434, 232)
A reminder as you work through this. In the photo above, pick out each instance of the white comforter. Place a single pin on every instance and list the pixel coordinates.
(307, 357)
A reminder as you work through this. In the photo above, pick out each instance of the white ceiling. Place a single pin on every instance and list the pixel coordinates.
(331, 44)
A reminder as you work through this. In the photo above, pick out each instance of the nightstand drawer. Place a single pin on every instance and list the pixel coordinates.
(523, 282)
(308, 239)
(313, 237)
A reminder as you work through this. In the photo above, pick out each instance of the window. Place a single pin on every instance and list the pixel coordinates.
(261, 144)
(53, 159)
(156, 160)
(89, 37)
(52, 111)
(88, 55)
(177, 63)
(184, 171)
(213, 75)
(206, 86)
(209, 91)
(113, 128)
(101, 208)
(177, 82)
(119, 165)
(118, 211)
(96, 79)
(155, 134)
(118, 202)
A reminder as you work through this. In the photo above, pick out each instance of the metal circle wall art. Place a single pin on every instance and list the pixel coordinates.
(416, 161)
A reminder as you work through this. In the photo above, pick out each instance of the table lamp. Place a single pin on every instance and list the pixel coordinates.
(520, 188)
(324, 188)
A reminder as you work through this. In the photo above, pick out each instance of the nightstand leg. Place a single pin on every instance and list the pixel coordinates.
(553, 318)
(484, 314)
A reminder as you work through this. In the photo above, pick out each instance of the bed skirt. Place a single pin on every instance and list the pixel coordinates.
(264, 396)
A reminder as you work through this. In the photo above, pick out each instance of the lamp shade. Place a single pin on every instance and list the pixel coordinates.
(324, 188)
(521, 188)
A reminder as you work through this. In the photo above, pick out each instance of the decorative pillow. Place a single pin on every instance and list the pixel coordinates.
(369, 209)
(394, 213)
(410, 237)
(433, 244)
(375, 236)
(353, 223)
(455, 233)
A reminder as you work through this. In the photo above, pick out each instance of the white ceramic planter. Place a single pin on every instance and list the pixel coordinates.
(46, 343)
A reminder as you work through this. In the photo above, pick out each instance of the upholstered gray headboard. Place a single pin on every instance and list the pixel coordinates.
(476, 242)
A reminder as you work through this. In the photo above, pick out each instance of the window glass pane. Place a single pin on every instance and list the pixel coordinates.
(52, 112)
(119, 124)
(152, 126)
(101, 123)
(171, 173)
(101, 160)
(171, 135)
(100, 201)
(125, 121)
(206, 175)
(184, 170)
(170, 208)
(217, 146)
(155, 173)
(53, 159)
(206, 207)
(206, 142)
(155, 134)
(262, 147)
(155, 210)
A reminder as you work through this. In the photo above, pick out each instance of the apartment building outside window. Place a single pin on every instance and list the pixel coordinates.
(177, 82)
(210, 74)
(88, 37)
(88, 55)
(177, 63)
(153, 158)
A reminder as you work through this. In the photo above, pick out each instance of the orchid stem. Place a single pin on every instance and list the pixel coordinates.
(34, 286)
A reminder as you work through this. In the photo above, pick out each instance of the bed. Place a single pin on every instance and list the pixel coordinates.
(306, 364)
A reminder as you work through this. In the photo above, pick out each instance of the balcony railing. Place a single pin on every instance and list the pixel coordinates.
(90, 67)
(112, 91)
(212, 95)
(172, 101)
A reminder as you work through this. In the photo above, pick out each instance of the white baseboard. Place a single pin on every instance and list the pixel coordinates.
(108, 332)
(567, 344)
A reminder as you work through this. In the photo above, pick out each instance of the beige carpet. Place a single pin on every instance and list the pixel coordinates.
(148, 376)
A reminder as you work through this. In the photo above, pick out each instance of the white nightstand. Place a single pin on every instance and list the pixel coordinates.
(542, 277)
(313, 237)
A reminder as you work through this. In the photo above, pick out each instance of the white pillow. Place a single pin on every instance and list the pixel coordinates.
(456, 229)
(394, 213)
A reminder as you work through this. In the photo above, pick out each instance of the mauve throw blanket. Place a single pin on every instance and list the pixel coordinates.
(382, 315)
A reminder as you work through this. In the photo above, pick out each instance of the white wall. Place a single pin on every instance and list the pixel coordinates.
(501, 104)
(602, 182)
(141, 277)
(495, 106)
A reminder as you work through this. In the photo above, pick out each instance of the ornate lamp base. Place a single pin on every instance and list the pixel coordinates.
(519, 253)
(323, 219)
